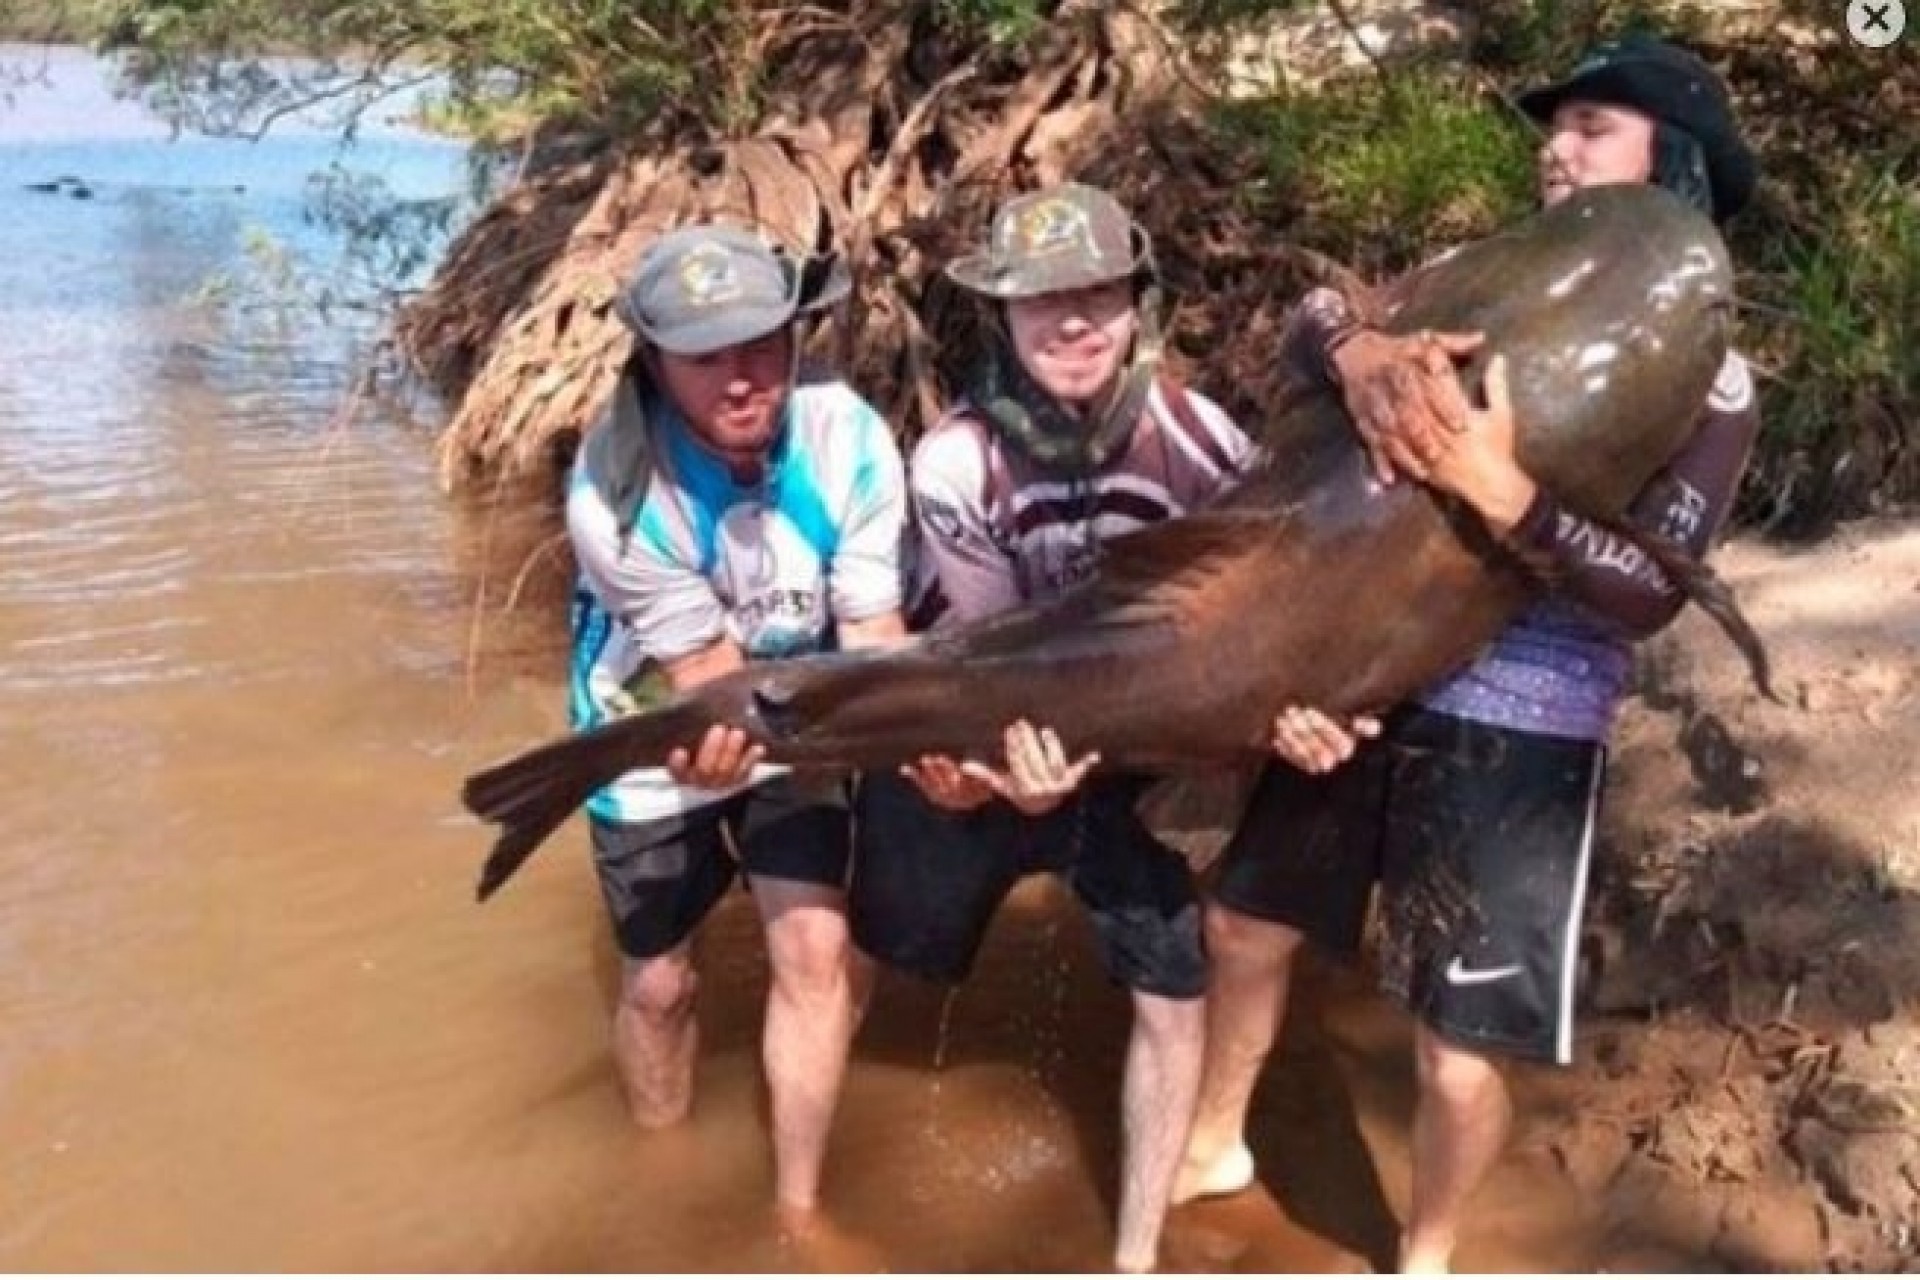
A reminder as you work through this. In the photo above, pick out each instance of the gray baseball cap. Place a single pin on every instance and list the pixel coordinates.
(701, 288)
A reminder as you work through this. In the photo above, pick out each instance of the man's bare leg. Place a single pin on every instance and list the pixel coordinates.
(1162, 1078)
(1460, 1125)
(813, 1005)
(655, 1036)
(1251, 970)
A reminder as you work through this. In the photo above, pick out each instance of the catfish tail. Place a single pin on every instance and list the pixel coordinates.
(1709, 590)
(533, 793)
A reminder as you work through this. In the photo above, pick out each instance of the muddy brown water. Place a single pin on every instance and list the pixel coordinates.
(250, 1017)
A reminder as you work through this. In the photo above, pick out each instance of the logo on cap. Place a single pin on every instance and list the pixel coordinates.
(707, 277)
(1054, 225)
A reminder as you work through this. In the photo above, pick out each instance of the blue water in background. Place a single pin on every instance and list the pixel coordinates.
(167, 213)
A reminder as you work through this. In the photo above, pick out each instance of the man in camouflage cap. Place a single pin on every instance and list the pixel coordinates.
(1069, 241)
(721, 514)
(1066, 237)
(1066, 439)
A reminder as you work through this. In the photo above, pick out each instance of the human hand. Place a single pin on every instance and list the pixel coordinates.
(1404, 394)
(1314, 742)
(1038, 776)
(1480, 464)
(942, 781)
(724, 759)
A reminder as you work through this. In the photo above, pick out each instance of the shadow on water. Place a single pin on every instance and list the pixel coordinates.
(515, 574)
(1304, 1128)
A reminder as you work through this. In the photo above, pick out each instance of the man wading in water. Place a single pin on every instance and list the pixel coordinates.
(1474, 809)
(1067, 438)
(723, 514)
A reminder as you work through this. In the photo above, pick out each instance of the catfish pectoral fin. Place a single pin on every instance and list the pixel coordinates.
(1710, 591)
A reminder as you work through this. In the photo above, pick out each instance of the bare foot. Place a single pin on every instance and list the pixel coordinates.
(816, 1243)
(1424, 1261)
(1226, 1174)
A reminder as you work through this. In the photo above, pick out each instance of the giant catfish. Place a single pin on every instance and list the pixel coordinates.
(1309, 584)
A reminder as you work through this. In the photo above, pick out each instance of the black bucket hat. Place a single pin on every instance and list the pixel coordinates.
(1674, 87)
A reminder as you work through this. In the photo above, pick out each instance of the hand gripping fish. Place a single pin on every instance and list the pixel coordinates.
(1308, 584)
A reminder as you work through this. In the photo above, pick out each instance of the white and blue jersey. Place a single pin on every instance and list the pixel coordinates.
(773, 566)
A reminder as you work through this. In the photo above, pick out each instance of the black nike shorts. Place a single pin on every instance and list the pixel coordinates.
(1479, 839)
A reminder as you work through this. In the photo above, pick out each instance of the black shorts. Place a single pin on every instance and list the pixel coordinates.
(661, 878)
(1479, 839)
(926, 882)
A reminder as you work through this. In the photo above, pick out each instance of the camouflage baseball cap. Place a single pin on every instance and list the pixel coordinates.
(701, 288)
(1065, 237)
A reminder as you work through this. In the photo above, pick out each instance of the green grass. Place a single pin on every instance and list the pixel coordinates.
(1838, 331)
(1383, 175)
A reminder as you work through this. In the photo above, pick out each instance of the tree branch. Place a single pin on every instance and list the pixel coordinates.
(314, 97)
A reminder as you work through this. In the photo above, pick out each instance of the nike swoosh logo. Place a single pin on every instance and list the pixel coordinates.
(1460, 976)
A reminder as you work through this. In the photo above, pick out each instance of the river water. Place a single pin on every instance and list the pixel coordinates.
(250, 1017)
